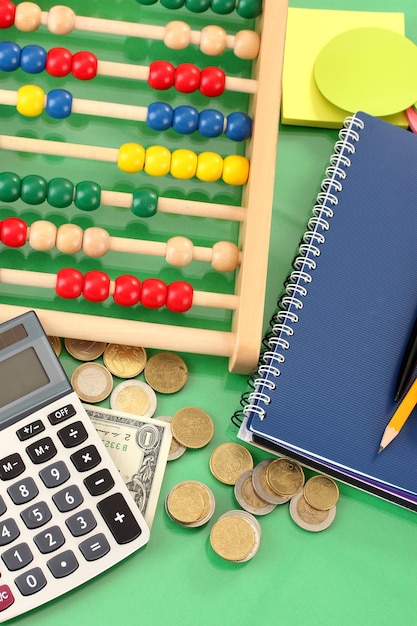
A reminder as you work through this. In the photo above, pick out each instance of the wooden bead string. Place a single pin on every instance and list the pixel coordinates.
(176, 35)
(95, 242)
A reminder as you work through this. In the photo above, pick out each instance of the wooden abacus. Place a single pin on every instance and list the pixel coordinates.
(249, 166)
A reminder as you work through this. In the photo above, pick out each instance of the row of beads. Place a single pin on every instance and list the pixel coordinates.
(126, 290)
(245, 8)
(95, 242)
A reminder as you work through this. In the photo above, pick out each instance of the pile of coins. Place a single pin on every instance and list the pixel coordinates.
(236, 536)
(314, 508)
(190, 504)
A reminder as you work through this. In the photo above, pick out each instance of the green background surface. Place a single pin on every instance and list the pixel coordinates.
(362, 570)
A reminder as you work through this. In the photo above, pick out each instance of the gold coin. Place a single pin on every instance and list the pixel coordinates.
(84, 350)
(185, 502)
(56, 344)
(92, 382)
(192, 427)
(124, 361)
(228, 461)
(134, 396)
(261, 486)
(233, 537)
(321, 492)
(309, 518)
(285, 477)
(166, 372)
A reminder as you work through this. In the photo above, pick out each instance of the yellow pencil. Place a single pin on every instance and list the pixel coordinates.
(400, 416)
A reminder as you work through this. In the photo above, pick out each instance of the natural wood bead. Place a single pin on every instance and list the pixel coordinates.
(225, 256)
(61, 20)
(96, 241)
(42, 235)
(246, 44)
(213, 40)
(177, 35)
(27, 17)
(179, 251)
(69, 238)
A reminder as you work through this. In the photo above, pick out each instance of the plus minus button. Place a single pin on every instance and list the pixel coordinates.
(119, 518)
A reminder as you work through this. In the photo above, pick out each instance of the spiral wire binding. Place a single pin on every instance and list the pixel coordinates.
(276, 340)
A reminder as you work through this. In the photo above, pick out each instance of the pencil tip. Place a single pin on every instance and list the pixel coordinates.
(380, 449)
(397, 397)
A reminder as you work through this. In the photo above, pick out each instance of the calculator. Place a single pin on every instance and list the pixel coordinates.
(66, 515)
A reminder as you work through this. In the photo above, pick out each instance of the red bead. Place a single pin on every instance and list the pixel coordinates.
(212, 81)
(84, 65)
(127, 290)
(96, 286)
(180, 296)
(58, 62)
(69, 283)
(13, 232)
(7, 12)
(154, 293)
(161, 75)
(187, 78)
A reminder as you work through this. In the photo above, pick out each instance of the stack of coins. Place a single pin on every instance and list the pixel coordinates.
(190, 504)
(236, 536)
(314, 508)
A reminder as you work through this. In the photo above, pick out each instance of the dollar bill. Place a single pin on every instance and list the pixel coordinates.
(139, 448)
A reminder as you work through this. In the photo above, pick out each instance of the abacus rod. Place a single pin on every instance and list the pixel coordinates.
(57, 148)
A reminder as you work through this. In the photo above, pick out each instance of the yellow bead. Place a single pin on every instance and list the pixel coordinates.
(177, 35)
(61, 20)
(30, 100)
(131, 158)
(213, 40)
(235, 170)
(27, 17)
(157, 161)
(246, 44)
(209, 167)
(183, 164)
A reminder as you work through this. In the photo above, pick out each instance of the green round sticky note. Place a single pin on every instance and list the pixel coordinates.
(368, 69)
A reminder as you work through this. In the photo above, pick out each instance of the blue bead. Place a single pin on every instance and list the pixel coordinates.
(33, 59)
(9, 56)
(185, 120)
(211, 123)
(239, 126)
(59, 103)
(159, 116)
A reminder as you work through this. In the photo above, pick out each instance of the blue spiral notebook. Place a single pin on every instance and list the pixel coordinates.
(323, 392)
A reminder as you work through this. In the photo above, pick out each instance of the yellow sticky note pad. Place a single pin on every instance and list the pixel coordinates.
(308, 32)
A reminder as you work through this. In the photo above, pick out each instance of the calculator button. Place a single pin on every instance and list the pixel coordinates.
(49, 540)
(55, 474)
(99, 482)
(86, 458)
(23, 491)
(94, 547)
(8, 531)
(3, 507)
(68, 499)
(119, 518)
(31, 581)
(17, 557)
(41, 451)
(81, 523)
(63, 564)
(62, 414)
(11, 466)
(36, 515)
(6, 597)
(73, 434)
(30, 430)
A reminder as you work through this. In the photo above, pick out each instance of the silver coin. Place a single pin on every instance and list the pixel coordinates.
(134, 396)
(247, 497)
(261, 486)
(309, 518)
(176, 450)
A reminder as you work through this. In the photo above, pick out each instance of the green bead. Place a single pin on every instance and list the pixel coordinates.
(197, 6)
(172, 4)
(144, 203)
(147, 2)
(60, 192)
(33, 189)
(9, 187)
(223, 7)
(87, 196)
(249, 8)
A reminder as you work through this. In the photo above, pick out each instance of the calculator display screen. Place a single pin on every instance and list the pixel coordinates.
(21, 374)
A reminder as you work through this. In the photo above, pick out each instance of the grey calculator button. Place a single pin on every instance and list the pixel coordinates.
(41, 450)
(31, 581)
(49, 540)
(94, 547)
(36, 515)
(63, 564)
(17, 557)
(23, 491)
(55, 474)
(68, 499)
(8, 531)
(81, 523)
(3, 507)
(11, 466)
(30, 430)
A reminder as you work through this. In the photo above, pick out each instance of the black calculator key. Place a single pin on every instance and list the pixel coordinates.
(3, 507)
(49, 540)
(94, 547)
(8, 531)
(81, 523)
(63, 564)
(36, 515)
(31, 581)
(55, 474)
(68, 499)
(17, 557)
(11, 466)
(73, 434)
(30, 430)
(41, 451)
(6, 597)
(86, 458)
(23, 491)
(99, 482)
(119, 518)
(62, 414)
